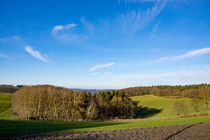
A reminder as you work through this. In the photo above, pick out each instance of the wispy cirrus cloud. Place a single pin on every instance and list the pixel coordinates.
(87, 25)
(100, 66)
(193, 53)
(35, 54)
(107, 73)
(94, 73)
(61, 28)
(5, 56)
(10, 39)
(162, 59)
(124, 24)
(194, 75)
(155, 29)
(135, 1)
(176, 77)
(73, 32)
(133, 21)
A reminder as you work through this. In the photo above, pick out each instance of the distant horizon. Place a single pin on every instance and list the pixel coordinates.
(101, 88)
(105, 44)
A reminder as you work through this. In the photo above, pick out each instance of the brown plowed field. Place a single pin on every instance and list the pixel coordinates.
(199, 131)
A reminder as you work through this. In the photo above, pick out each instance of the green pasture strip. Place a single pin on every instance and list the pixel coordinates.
(9, 127)
(8, 115)
(5, 101)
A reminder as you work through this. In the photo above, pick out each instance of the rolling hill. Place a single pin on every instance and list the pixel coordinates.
(165, 105)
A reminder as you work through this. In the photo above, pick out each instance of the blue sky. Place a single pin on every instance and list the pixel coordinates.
(104, 43)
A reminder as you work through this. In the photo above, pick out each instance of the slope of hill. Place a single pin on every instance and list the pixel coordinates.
(5, 101)
(5, 107)
(165, 105)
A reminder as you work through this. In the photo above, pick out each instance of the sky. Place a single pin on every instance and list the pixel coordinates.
(104, 44)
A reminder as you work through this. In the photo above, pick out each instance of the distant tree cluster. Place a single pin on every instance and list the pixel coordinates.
(54, 103)
(8, 88)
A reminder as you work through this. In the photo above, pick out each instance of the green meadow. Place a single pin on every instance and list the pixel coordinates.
(5, 102)
(9, 123)
(166, 105)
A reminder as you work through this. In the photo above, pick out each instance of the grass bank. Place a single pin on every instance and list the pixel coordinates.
(10, 127)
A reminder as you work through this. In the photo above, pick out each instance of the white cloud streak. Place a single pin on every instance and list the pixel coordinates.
(4, 56)
(100, 66)
(107, 73)
(94, 73)
(178, 77)
(133, 21)
(59, 28)
(10, 39)
(155, 29)
(35, 54)
(193, 53)
(125, 24)
(87, 25)
(137, 1)
(169, 77)
(162, 59)
(73, 32)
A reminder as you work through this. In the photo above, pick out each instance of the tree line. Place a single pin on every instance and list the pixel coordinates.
(191, 91)
(46, 102)
(9, 88)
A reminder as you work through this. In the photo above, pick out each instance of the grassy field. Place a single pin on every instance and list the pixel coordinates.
(5, 107)
(5, 101)
(165, 104)
(31, 127)
(9, 124)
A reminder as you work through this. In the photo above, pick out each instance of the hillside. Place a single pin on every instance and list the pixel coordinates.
(164, 106)
(5, 101)
(5, 107)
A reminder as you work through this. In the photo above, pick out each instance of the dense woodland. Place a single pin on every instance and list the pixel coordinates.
(190, 91)
(55, 103)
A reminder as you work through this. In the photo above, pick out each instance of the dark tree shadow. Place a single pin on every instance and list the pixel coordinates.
(11, 128)
(145, 112)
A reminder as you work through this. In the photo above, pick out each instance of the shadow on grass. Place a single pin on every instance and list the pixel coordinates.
(19, 127)
(145, 112)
